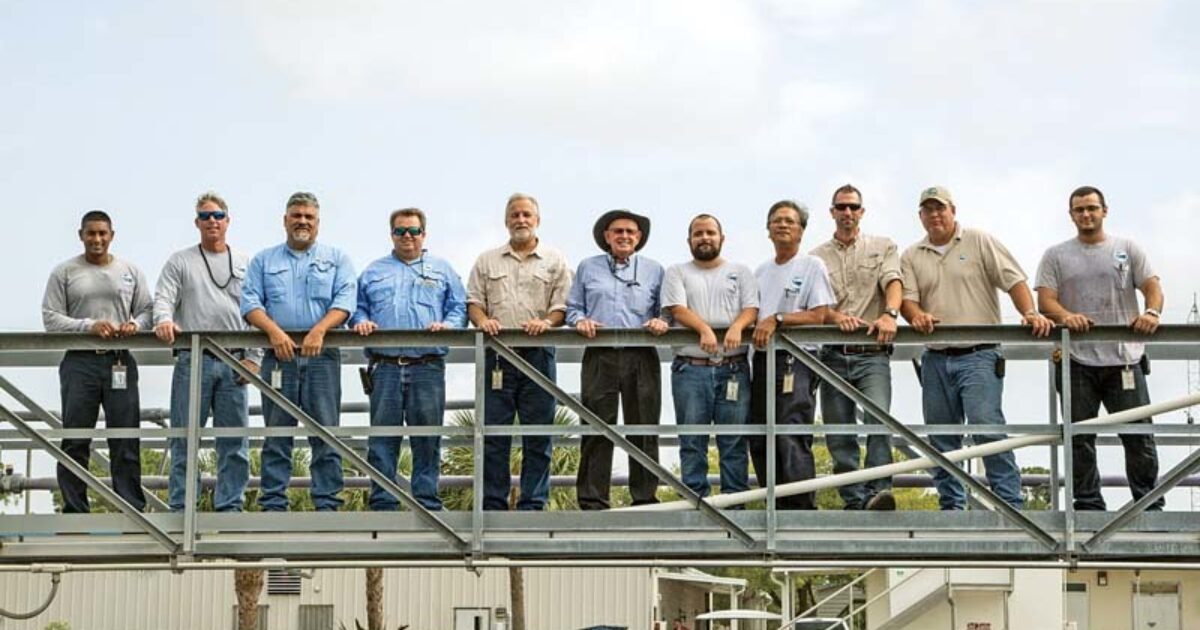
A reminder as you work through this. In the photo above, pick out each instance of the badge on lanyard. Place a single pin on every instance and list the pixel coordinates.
(497, 378)
(277, 378)
(1127, 382)
(731, 390)
(789, 378)
(120, 376)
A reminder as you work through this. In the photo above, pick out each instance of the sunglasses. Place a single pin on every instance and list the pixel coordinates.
(854, 207)
(401, 231)
(219, 215)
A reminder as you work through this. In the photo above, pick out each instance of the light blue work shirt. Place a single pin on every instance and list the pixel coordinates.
(399, 295)
(618, 295)
(297, 288)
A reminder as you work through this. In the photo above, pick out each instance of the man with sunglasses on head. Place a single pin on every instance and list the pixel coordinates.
(99, 293)
(952, 277)
(199, 289)
(1094, 279)
(865, 273)
(304, 286)
(407, 290)
(521, 285)
(618, 289)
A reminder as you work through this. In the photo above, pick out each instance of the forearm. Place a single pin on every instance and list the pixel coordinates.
(811, 317)
(260, 320)
(1049, 306)
(476, 314)
(333, 318)
(1022, 298)
(910, 309)
(747, 317)
(688, 319)
(1152, 291)
(892, 295)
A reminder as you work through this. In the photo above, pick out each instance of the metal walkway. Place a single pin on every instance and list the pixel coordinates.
(701, 533)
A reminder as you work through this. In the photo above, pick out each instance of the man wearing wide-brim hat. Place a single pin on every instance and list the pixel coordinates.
(618, 289)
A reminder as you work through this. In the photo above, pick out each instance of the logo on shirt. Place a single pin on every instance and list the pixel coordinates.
(127, 278)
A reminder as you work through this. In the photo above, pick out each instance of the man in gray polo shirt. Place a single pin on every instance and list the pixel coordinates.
(199, 290)
(1094, 279)
(952, 276)
(110, 298)
(709, 381)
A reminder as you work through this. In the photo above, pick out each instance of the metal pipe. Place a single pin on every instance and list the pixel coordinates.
(55, 578)
(912, 465)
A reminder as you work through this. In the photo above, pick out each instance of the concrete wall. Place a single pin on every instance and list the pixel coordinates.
(1111, 607)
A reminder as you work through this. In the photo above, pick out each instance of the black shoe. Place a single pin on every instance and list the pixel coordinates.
(882, 501)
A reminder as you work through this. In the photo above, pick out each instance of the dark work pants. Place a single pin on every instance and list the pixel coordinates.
(1091, 386)
(793, 453)
(85, 382)
(634, 375)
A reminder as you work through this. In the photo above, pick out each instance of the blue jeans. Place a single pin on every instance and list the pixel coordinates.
(518, 397)
(967, 385)
(315, 384)
(699, 392)
(1091, 386)
(414, 395)
(871, 374)
(225, 399)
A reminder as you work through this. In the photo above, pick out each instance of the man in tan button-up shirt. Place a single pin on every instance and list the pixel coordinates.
(952, 276)
(521, 284)
(865, 273)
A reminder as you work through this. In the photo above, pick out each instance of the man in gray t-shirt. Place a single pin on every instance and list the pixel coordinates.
(110, 298)
(710, 380)
(1093, 279)
(199, 290)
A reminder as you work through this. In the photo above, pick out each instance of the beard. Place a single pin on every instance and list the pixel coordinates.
(705, 252)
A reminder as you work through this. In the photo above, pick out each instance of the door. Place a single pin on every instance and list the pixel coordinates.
(1156, 611)
(472, 619)
(1076, 605)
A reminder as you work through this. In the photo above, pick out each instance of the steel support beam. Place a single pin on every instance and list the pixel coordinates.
(195, 378)
(53, 422)
(1012, 514)
(91, 480)
(1129, 511)
(294, 410)
(616, 438)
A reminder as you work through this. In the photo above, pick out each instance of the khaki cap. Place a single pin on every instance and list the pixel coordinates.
(938, 193)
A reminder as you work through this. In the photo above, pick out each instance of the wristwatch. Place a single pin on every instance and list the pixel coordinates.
(778, 319)
(893, 313)
(1153, 312)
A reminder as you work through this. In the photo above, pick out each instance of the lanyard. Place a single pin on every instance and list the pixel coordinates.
(229, 251)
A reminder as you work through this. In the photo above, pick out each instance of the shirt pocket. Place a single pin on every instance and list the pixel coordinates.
(275, 283)
(427, 294)
(731, 298)
(381, 294)
(1121, 273)
(320, 280)
(497, 287)
(868, 271)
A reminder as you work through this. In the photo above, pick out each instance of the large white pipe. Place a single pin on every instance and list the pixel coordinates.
(921, 463)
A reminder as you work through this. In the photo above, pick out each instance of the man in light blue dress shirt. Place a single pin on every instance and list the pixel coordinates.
(408, 290)
(300, 285)
(618, 289)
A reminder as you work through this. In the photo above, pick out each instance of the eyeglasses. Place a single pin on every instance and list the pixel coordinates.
(623, 231)
(413, 231)
(219, 215)
(853, 207)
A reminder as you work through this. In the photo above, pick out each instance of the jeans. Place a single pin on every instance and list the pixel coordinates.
(871, 374)
(518, 397)
(315, 385)
(967, 385)
(700, 395)
(85, 384)
(1091, 386)
(223, 397)
(793, 453)
(414, 395)
(633, 378)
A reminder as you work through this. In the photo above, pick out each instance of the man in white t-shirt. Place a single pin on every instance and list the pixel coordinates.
(793, 290)
(1094, 279)
(709, 380)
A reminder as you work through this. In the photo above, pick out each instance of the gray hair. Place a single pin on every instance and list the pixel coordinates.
(303, 199)
(518, 196)
(214, 198)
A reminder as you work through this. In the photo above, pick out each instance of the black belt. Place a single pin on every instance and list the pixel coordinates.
(118, 351)
(237, 353)
(958, 352)
(402, 361)
(741, 358)
(863, 349)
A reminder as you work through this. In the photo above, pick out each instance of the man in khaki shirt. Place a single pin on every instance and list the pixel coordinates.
(521, 284)
(865, 273)
(951, 276)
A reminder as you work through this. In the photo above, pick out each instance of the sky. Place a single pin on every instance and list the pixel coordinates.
(669, 108)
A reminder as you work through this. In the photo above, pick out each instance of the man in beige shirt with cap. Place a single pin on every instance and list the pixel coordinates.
(522, 284)
(952, 277)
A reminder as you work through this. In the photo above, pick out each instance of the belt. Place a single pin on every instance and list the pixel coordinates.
(99, 352)
(402, 361)
(741, 358)
(863, 349)
(958, 352)
(238, 353)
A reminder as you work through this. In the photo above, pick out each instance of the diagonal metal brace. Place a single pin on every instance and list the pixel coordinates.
(616, 438)
(92, 481)
(1131, 510)
(293, 410)
(54, 423)
(871, 407)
